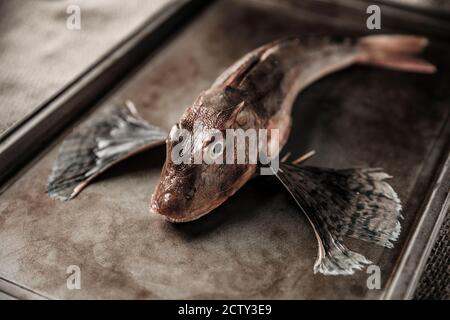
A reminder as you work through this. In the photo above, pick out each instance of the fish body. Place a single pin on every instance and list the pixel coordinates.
(258, 92)
(255, 93)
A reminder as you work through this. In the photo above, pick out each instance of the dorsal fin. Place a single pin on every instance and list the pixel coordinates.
(234, 74)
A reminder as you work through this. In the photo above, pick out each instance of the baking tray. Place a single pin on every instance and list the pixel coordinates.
(256, 245)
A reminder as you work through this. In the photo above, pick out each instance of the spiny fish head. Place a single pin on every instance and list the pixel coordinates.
(183, 198)
(193, 181)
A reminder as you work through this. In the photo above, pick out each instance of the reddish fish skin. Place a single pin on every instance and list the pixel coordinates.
(258, 92)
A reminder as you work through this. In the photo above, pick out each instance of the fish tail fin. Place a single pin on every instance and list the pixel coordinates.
(356, 203)
(98, 145)
(394, 52)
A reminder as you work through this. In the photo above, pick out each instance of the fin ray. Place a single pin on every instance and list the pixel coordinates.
(97, 146)
(356, 203)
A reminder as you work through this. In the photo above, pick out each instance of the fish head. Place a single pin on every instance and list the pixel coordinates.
(196, 177)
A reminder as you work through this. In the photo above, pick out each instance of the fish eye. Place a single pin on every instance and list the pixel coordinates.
(213, 140)
(218, 148)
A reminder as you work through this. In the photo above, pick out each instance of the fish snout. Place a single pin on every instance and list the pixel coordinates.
(168, 205)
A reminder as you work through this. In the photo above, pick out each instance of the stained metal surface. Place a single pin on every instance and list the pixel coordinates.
(257, 245)
(40, 54)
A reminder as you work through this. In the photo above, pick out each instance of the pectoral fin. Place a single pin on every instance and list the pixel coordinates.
(93, 148)
(357, 203)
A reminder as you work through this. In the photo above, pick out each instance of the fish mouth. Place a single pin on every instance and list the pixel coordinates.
(181, 217)
(177, 210)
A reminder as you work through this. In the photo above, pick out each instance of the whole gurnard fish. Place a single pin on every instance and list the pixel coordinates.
(257, 92)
